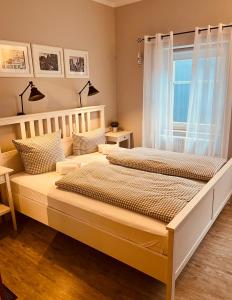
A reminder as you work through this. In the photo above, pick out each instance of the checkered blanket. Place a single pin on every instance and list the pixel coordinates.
(155, 195)
(168, 163)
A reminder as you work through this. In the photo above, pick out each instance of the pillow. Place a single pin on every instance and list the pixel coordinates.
(84, 143)
(41, 153)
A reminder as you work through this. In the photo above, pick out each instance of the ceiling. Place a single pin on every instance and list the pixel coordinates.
(116, 3)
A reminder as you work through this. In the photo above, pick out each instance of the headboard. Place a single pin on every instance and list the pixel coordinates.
(77, 119)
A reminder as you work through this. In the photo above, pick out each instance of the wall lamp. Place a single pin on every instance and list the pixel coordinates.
(92, 91)
(35, 95)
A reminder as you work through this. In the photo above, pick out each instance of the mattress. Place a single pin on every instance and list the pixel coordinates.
(138, 229)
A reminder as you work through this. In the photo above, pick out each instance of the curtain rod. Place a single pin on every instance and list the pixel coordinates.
(140, 40)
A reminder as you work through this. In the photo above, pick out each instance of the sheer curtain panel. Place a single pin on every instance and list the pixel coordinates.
(158, 93)
(208, 122)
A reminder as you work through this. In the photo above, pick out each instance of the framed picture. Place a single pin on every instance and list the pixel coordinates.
(15, 59)
(47, 61)
(76, 63)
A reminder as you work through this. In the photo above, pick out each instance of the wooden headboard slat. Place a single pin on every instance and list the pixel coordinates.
(30, 121)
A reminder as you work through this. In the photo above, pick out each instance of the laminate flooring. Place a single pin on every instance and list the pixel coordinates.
(40, 263)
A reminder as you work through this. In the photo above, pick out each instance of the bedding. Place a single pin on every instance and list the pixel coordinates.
(66, 166)
(138, 229)
(73, 162)
(87, 142)
(158, 196)
(107, 148)
(168, 163)
(41, 153)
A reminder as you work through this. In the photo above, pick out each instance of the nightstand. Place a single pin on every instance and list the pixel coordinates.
(118, 137)
(5, 209)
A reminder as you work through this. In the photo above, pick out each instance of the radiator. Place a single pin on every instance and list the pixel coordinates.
(178, 143)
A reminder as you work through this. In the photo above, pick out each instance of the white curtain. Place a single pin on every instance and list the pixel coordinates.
(158, 93)
(209, 114)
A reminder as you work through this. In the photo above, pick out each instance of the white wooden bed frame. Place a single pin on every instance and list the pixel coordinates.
(185, 231)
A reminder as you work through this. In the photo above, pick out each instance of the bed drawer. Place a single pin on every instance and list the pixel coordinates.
(31, 208)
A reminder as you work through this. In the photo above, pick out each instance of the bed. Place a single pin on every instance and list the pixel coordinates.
(158, 249)
(124, 224)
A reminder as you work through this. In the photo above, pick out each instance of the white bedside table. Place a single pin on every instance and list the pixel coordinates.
(119, 136)
(4, 209)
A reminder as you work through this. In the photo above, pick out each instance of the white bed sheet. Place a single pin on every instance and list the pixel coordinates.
(139, 229)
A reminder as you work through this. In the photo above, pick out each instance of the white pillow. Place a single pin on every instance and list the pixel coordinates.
(85, 143)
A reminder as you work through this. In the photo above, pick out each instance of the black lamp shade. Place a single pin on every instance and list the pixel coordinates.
(92, 90)
(35, 94)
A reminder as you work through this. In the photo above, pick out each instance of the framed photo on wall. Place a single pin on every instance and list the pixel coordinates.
(76, 63)
(15, 59)
(47, 61)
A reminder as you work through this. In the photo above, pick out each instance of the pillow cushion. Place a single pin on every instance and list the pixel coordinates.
(41, 153)
(84, 143)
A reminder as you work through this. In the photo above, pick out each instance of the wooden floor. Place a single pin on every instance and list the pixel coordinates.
(40, 263)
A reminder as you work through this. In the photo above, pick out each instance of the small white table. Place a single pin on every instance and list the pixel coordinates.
(118, 137)
(4, 209)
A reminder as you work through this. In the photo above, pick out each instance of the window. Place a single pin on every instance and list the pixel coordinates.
(182, 82)
(182, 67)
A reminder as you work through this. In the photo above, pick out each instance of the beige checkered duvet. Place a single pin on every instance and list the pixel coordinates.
(154, 195)
(168, 163)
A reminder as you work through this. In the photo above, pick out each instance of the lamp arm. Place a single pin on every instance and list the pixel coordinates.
(30, 84)
(82, 91)
(84, 87)
(21, 96)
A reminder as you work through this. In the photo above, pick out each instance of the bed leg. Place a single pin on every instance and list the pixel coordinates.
(170, 285)
(170, 290)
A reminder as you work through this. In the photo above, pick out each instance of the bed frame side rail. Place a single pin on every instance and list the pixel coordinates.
(191, 225)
